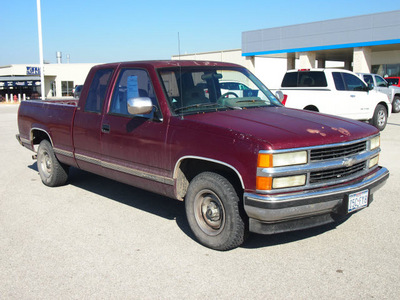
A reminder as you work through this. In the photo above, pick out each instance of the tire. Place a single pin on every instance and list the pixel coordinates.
(311, 108)
(396, 104)
(380, 117)
(51, 171)
(214, 213)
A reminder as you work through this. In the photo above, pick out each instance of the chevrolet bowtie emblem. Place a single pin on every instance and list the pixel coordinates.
(348, 162)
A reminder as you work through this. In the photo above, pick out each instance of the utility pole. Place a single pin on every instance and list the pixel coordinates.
(39, 17)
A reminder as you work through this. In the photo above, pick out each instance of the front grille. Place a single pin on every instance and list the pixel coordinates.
(328, 165)
(336, 174)
(337, 152)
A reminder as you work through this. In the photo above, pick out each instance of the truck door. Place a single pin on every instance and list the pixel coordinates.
(133, 147)
(382, 86)
(87, 123)
(354, 101)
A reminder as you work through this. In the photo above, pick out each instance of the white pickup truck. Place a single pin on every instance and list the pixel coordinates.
(381, 85)
(336, 92)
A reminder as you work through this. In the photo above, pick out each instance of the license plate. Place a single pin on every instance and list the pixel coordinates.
(357, 201)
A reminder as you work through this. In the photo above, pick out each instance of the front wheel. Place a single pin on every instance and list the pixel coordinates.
(396, 104)
(380, 117)
(214, 213)
(51, 171)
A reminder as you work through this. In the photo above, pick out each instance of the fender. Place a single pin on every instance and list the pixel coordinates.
(178, 163)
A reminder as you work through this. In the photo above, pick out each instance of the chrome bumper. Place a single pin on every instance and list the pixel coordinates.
(286, 212)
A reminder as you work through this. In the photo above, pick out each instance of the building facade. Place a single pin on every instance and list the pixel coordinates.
(365, 44)
(19, 82)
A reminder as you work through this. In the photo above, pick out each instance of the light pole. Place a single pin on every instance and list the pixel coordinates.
(39, 17)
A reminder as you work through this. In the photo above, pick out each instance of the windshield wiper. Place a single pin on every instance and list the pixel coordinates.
(195, 105)
(250, 101)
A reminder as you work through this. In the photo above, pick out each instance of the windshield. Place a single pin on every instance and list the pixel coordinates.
(207, 89)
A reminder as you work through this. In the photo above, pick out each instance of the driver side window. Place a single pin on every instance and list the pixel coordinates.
(380, 81)
(132, 83)
(353, 83)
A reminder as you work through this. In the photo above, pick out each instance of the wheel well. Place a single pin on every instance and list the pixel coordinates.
(38, 135)
(384, 104)
(191, 167)
(311, 108)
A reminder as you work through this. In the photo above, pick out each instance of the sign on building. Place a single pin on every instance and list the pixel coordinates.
(32, 70)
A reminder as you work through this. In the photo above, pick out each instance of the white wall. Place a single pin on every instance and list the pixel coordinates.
(270, 71)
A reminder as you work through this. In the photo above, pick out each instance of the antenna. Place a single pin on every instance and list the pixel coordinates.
(180, 73)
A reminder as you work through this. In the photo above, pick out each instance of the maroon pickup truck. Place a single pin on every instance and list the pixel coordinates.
(238, 159)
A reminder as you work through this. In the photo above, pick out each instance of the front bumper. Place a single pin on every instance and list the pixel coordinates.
(271, 214)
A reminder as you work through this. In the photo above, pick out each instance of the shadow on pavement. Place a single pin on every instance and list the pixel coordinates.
(172, 209)
(261, 241)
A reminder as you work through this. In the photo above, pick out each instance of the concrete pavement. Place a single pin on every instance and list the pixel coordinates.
(98, 239)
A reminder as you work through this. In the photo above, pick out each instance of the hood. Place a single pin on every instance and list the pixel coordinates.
(281, 127)
(394, 87)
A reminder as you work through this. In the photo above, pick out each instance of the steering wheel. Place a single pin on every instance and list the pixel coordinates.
(227, 94)
(221, 100)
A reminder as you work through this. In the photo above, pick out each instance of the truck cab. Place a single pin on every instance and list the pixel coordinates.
(379, 84)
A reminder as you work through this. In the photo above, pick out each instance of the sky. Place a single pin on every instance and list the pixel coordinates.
(121, 30)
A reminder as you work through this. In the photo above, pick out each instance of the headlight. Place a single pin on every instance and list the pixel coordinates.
(269, 183)
(373, 161)
(375, 142)
(268, 160)
(290, 181)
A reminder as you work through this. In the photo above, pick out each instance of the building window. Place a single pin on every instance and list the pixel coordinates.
(53, 89)
(67, 88)
(386, 70)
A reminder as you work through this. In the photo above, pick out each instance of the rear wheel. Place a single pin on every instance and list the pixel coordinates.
(214, 213)
(51, 171)
(396, 104)
(379, 119)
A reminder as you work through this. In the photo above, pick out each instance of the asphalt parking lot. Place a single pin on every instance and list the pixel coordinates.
(97, 238)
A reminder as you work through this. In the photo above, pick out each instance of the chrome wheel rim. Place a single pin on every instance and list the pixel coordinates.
(45, 164)
(209, 212)
(381, 118)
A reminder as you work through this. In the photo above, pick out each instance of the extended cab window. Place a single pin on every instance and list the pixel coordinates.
(97, 91)
(131, 83)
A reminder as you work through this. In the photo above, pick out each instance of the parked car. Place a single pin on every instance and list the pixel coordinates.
(240, 164)
(381, 85)
(393, 81)
(336, 92)
(237, 89)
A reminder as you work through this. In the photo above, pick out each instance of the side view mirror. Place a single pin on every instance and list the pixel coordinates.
(140, 106)
(370, 86)
(279, 95)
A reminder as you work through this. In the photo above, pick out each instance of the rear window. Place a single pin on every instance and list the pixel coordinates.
(305, 79)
